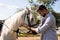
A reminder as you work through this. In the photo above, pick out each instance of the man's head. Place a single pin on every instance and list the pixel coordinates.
(42, 10)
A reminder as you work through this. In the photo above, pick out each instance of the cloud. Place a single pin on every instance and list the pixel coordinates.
(8, 6)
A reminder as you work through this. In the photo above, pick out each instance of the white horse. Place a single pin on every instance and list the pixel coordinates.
(11, 24)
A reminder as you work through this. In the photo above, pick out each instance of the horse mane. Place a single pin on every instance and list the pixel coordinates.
(20, 10)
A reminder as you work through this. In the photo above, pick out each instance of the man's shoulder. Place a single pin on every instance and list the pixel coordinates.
(51, 16)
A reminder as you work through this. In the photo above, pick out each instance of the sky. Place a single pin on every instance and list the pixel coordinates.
(9, 7)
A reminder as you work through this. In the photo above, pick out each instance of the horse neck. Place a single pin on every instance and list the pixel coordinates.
(17, 19)
(20, 17)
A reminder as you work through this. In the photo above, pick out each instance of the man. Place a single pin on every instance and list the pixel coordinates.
(47, 28)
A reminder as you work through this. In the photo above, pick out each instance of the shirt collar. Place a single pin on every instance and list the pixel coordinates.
(47, 15)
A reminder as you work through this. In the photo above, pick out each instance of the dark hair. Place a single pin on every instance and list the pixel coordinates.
(41, 7)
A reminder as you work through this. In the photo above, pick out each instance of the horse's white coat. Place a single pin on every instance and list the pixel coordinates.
(12, 24)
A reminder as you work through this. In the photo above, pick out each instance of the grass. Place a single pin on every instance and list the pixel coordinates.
(23, 33)
(27, 35)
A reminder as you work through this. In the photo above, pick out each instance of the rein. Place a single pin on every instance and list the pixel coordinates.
(9, 28)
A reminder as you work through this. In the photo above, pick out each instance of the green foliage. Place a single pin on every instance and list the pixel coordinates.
(47, 3)
(57, 16)
(35, 3)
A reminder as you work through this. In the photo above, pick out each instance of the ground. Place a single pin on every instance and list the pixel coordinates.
(31, 38)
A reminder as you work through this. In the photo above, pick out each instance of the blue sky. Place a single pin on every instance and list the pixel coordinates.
(57, 6)
(8, 7)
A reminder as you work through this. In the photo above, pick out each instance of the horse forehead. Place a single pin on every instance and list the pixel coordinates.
(31, 15)
(28, 11)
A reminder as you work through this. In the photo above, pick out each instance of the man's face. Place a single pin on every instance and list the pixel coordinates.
(41, 12)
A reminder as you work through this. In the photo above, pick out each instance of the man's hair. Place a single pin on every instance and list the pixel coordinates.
(41, 7)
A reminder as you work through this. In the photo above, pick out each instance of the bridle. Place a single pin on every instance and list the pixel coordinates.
(29, 24)
(9, 28)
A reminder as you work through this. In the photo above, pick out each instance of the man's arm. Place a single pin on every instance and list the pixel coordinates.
(45, 26)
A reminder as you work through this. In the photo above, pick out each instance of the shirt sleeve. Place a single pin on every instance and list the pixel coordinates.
(37, 28)
(48, 22)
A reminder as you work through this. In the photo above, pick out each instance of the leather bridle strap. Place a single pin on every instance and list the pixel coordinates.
(9, 28)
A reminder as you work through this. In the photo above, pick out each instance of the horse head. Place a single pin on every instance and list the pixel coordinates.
(29, 18)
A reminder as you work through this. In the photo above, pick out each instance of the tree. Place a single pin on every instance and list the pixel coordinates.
(35, 3)
(57, 16)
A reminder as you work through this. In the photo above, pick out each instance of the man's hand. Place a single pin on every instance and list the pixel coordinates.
(30, 28)
(33, 29)
(26, 26)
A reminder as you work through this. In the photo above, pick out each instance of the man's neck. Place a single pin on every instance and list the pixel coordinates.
(45, 14)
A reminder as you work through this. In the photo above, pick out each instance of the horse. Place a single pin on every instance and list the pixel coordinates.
(14, 22)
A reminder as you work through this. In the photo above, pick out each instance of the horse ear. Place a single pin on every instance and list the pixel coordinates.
(27, 8)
